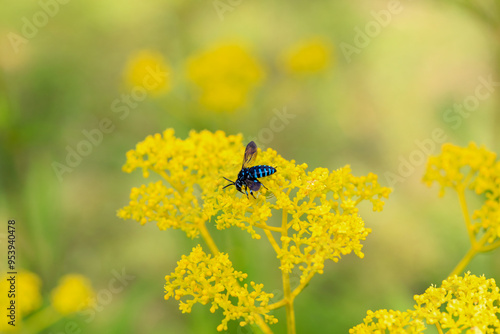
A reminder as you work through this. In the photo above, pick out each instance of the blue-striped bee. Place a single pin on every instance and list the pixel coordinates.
(247, 177)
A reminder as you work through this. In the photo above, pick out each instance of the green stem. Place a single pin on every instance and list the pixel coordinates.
(459, 269)
(440, 330)
(303, 285)
(266, 227)
(290, 314)
(287, 291)
(465, 211)
(277, 304)
(272, 241)
(208, 238)
(41, 320)
(490, 247)
(294, 293)
(262, 325)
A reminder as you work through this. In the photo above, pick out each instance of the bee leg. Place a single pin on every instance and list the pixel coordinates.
(251, 193)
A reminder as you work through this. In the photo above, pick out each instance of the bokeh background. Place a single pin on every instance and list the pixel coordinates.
(327, 83)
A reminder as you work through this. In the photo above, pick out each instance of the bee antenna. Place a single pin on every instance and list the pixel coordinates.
(230, 184)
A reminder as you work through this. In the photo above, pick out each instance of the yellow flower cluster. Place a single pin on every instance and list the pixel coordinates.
(193, 170)
(474, 168)
(462, 303)
(309, 56)
(225, 74)
(319, 214)
(213, 279)
(389, 321)
(469, 303)
(319, 207)
(463, 167)
(27, 296)
(150, 70)
(73, 294)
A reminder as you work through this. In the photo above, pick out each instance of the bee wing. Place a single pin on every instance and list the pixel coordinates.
(253, 185)
(250, 154)
(269, 194)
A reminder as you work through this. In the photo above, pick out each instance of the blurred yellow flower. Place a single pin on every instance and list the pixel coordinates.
(477, 169)
(27, 296)
(463, 167)
(149, 69)
(308, 56)
(225, 75)
(73, 294)
(213, 279)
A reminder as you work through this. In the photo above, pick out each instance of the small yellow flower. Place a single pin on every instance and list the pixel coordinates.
(73, 294)
(213, 280)
(27, 296)
(149, 69)
(308, 56)
(462, 303)
(225, 75)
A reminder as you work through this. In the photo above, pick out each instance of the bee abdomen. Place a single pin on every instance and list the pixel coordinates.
(261, 171)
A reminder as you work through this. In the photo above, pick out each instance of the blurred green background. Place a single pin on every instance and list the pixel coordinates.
(373, 103)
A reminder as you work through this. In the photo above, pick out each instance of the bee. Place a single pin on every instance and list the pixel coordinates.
(248, 176)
